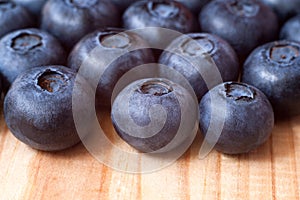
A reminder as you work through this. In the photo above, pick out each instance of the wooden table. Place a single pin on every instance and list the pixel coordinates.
(271, 172)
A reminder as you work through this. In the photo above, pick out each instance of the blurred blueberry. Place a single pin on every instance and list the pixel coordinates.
(284, 8)
(291, 29)
(70, 20)
(28, 48)
(13, 17)
(245, 24)
(159, 13)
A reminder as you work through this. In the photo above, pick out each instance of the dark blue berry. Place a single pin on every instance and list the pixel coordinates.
(192, 47)
(28, 48)
(156, 130)
(284, 8)
(110, 40)
(13, 17)
(247, 115)
(245, 24)
(274, 68)
(70, 20)
(38, 107)
(34, 6)
(291, 29)
(159, 13)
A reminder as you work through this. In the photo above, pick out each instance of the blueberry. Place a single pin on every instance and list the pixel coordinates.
(13, 17)
(144, 127)
(193, 45)
(284, 8)
(34, 6)
(27, 48)
(159, 13)
(38, 107)
(245, 24)
(111, 40)
(70, 20)
(274, 68)
(248, 117)
(291, 29)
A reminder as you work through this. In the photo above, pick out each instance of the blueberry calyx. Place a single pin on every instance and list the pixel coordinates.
(6, 5)
(114, 40)
(82, 3)
(51, 81)
(244, 8)
(284, 53)
(163, 9)
(197, 46)
(155, 87)
(239, 92)
(26, 42)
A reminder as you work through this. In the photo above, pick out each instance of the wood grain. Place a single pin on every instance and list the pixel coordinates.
(270, 172)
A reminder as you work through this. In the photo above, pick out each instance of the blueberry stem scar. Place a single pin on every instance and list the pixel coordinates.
(239, 92)
(284, 53)
(156, 88)
(26, 42)
(244, 8)
(51, 81)
(114, 40)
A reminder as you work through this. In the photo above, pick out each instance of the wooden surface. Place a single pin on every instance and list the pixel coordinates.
(271, 172)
